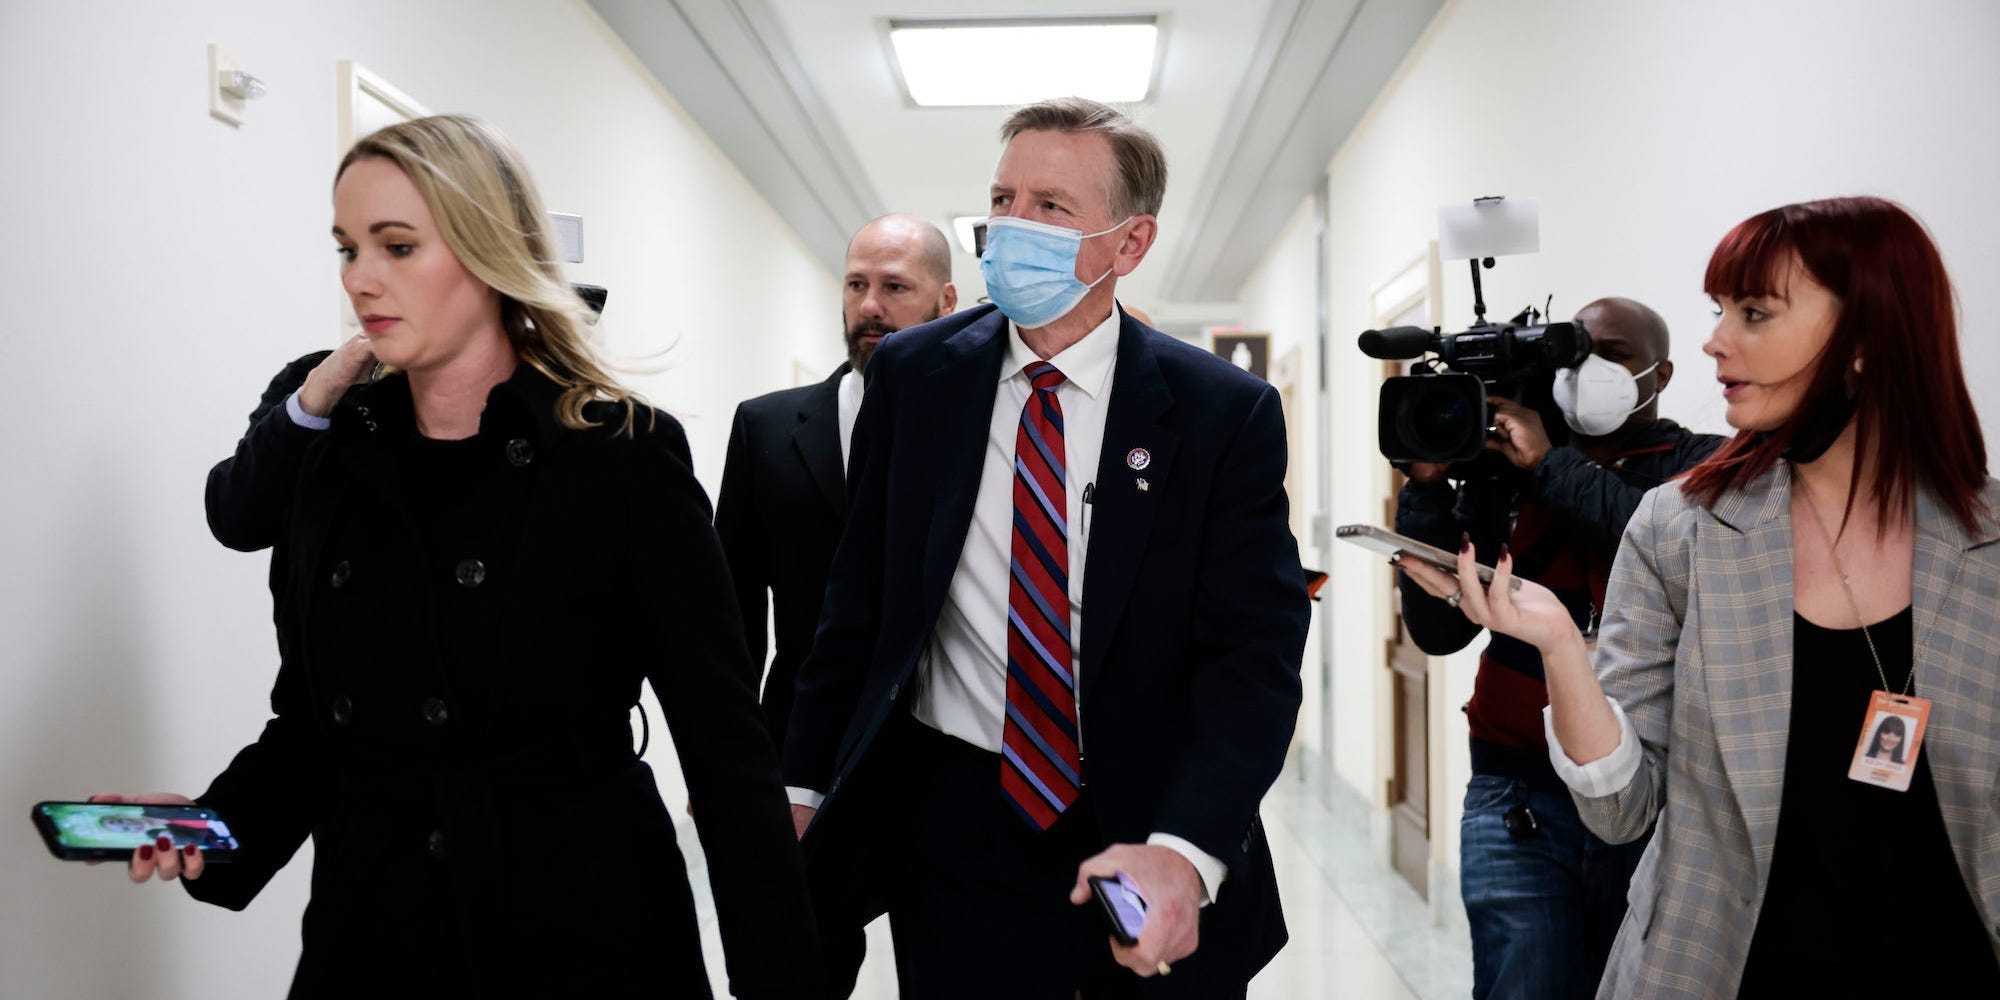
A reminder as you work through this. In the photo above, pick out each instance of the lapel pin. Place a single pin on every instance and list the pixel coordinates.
(1137, 459)
(1144, 485)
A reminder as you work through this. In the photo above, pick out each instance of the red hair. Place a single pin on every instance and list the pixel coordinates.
(1898, 314)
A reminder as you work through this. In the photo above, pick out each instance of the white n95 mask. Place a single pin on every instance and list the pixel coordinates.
(1595, 397)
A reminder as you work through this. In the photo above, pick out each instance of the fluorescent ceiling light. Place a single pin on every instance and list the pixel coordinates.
(972, 63)
(961, 225)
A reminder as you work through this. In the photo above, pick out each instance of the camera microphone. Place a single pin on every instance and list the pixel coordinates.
(1396, 343)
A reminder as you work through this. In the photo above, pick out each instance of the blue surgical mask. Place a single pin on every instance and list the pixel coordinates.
(1030, 269)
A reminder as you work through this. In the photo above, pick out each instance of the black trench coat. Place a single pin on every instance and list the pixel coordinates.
(451, 720)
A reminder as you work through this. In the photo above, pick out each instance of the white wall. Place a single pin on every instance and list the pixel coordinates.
(1278, 298)
(1647, 130)
(160, 267)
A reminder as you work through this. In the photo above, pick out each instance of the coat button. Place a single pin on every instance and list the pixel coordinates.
(436, 844)
(471, 573)
(341, 572)
(343, 710)
(520, 452)
(434, 711)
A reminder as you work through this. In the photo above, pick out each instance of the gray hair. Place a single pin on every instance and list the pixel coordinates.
(1142, 164)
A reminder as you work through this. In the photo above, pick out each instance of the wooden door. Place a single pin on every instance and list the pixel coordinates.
(1409, 782)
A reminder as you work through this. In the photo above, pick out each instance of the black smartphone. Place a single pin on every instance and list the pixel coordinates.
(111, 831)
(1124, 909)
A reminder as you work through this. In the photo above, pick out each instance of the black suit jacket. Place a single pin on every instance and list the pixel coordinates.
(1194, 607)
(783, 501)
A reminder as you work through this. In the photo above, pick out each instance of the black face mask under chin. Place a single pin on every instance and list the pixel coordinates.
(1817, 434)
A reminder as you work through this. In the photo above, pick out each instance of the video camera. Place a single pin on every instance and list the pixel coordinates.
(1439, 412)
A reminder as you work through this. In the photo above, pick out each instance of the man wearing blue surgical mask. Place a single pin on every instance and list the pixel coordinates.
(1544, 896)
(1062, 635)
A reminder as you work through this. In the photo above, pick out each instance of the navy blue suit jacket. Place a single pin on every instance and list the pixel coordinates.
(1194, 604)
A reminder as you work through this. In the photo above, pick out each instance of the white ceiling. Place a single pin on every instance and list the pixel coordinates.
(937, 162)
(1252, 100)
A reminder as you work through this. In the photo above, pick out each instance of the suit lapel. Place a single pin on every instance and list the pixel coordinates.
(1745, 598)
(817, 440)
(955, 412)
(1123, 514)
(1954, 576)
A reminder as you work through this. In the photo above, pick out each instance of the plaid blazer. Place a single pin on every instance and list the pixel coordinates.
(1696, 646)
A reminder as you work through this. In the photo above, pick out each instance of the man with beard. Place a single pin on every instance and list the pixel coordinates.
(783, 499)
(784, 484)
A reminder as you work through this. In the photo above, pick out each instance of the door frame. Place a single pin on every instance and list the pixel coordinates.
(1419, 281)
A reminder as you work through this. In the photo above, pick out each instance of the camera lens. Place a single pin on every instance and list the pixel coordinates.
(1437, 421)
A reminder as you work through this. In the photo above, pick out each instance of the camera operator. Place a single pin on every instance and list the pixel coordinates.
(1544, 897)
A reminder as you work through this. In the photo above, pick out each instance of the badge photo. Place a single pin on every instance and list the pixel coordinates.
(1891, 735)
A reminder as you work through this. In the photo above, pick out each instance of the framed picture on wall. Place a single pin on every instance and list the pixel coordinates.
(1248, 351)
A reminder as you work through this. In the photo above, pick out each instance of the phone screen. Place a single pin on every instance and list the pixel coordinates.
(1123, 905)
(125, 826)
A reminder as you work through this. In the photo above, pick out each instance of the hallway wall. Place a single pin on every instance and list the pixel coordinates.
(1646, 131)
(161, 266)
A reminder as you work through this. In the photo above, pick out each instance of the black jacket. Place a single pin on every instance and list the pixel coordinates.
(783, 501)
(450, 719)
(250, 493)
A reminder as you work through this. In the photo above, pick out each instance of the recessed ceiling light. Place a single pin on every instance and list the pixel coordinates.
(963, 63)
(961, 226)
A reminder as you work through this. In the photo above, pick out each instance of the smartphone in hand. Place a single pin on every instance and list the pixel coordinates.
(1388, 543)
(1123, 907)
(111, 831)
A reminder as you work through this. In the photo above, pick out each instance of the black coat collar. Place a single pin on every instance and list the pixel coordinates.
(523, 406)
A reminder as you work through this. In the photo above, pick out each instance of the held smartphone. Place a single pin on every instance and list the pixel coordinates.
(1390, 544)
(111, 831)
(1124, 909)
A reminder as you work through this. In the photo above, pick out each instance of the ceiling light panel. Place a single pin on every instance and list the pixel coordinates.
(986, 63)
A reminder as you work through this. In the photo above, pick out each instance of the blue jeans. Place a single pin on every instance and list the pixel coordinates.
(1545, 905)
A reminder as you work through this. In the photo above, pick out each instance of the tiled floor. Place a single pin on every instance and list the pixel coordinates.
(1357, 931)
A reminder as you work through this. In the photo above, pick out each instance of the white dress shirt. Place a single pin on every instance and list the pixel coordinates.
(964, 669)
(850, 407)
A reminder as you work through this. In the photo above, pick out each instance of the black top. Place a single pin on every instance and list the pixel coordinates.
(1864, 894)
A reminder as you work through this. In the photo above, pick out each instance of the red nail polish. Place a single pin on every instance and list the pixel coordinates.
(166, 846)
(146, 852)
(1503, 551)
(188, 850)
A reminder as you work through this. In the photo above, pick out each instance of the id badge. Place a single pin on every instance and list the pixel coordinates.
(1891, 734)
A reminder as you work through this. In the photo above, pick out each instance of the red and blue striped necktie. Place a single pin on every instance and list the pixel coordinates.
(1041, 767)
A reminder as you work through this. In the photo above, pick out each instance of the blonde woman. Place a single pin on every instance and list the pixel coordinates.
(488, 551)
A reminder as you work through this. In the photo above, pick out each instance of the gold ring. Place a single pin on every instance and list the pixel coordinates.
(1164, 968)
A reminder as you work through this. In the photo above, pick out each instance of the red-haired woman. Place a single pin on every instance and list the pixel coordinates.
(1838, 553)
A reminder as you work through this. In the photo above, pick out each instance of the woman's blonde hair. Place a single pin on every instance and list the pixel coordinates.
(487, 210)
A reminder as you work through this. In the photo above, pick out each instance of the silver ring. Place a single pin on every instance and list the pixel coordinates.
(1455, 598)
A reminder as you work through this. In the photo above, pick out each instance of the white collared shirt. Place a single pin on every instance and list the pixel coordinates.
(850, 407)
(964, 671)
